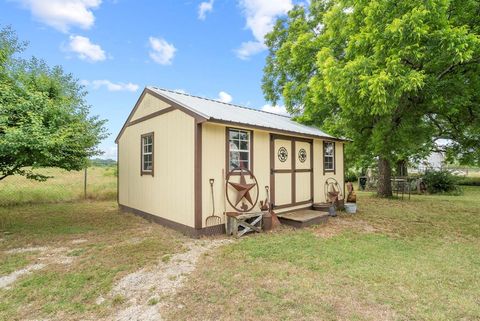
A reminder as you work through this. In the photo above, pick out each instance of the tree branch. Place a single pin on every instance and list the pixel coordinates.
(451, 67)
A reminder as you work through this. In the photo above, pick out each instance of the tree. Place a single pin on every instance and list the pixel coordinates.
(44, 119)
(394, 76)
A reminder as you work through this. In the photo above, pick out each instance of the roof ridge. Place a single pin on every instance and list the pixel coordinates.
(220, 102)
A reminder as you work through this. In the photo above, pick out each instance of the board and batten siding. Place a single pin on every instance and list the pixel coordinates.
(170, 192)
(213, 162)
(319, 184)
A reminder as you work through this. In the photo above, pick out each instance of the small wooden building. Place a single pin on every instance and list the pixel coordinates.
(173, 144)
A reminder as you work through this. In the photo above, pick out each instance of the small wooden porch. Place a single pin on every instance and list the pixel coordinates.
(303, 218)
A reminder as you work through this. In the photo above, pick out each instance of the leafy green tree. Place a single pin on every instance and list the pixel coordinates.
(44, 119)
(394, 76)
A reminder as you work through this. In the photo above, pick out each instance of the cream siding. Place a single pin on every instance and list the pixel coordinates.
(170, 192)
(148, 105)
(319, 184)
(213, 162)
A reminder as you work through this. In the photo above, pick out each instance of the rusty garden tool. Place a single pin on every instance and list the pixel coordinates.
(213, 219)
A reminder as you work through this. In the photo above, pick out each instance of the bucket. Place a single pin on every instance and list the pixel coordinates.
(350, 208)
(332, 211)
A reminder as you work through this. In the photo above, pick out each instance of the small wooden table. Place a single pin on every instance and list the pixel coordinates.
(240, 223)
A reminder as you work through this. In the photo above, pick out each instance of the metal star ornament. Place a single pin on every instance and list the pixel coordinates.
(243, 189)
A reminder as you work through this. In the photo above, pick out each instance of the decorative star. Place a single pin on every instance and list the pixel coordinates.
(243, 189)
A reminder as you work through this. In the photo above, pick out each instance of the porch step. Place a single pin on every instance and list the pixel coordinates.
(323, 207)
(303, 218)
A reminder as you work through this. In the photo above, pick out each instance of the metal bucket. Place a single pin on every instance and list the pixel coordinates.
(350, 208)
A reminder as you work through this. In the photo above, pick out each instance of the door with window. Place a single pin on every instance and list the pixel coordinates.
(291, 177)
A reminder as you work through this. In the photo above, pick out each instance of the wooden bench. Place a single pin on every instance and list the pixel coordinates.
(240, 223)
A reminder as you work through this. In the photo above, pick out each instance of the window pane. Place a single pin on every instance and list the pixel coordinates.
(233, 134)
(244, 156)
(244, 145)
(233, 145)
(234, 160)
(244, 164)
(329, 149)
(243, 135)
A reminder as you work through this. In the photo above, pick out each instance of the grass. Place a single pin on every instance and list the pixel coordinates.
(63, 186)
(393, 260)
(103, 244)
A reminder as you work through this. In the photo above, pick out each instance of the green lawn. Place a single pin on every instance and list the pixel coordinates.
(393, 260)
(102, 244)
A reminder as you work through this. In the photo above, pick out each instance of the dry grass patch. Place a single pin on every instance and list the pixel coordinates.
(86, 248)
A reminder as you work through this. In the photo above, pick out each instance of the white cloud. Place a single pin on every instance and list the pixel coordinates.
(85, 49)
(111, 86)
(203, 8)
(62, 14)
(224, 97)
(249, 48)
(162, 52)
(281, 110)
(260, 18)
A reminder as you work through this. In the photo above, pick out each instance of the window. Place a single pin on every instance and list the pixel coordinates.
(239, 152)
(147, 154)
(328, 156)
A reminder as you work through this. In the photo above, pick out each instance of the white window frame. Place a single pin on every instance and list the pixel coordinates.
(144, 138)
(248, 140)
(331, 156)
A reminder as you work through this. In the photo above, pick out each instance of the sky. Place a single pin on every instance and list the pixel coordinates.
(211, 48)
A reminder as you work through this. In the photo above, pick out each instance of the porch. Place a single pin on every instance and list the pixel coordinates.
(303, 218)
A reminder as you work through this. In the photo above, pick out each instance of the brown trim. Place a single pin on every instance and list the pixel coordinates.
(198, 118)
(227, 149)
(312, 179)
(139, 100)
(152, 115)
(304, 170)
(294, 166)
(272, 173)
(198, 174)
(184, 229)
(142, 171)
(334, 158)
(118, 173)
(293, 171)
(274, 131)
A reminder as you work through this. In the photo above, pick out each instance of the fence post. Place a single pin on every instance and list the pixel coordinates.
(85, 183)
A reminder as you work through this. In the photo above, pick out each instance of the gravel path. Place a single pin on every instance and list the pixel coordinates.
(147, 290)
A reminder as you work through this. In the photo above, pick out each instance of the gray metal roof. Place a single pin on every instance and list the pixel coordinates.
(216, 110)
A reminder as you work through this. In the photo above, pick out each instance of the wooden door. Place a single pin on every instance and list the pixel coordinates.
(291, 177)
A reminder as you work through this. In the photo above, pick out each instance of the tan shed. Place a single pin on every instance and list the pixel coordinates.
(173, 146)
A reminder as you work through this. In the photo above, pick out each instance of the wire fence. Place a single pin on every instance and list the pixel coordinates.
(96, 183)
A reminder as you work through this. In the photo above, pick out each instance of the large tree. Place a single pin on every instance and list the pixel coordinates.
(394, 76)
(44, 119)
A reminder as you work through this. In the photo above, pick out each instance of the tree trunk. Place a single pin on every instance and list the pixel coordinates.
(384, 188)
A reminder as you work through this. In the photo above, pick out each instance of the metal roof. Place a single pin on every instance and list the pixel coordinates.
(214, 110)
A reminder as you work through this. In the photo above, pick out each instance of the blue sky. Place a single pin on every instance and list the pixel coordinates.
(211, 48)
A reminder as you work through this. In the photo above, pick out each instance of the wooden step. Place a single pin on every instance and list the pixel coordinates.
(303, 218)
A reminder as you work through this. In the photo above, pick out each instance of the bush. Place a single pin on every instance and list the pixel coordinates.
(351, 176)
(469, 181)
(441, 182)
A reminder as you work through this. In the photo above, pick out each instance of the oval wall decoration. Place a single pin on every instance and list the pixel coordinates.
(302, 155)
(282, 154)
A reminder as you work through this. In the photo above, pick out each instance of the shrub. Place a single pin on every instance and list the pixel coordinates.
(441, 182)
(351, 176)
